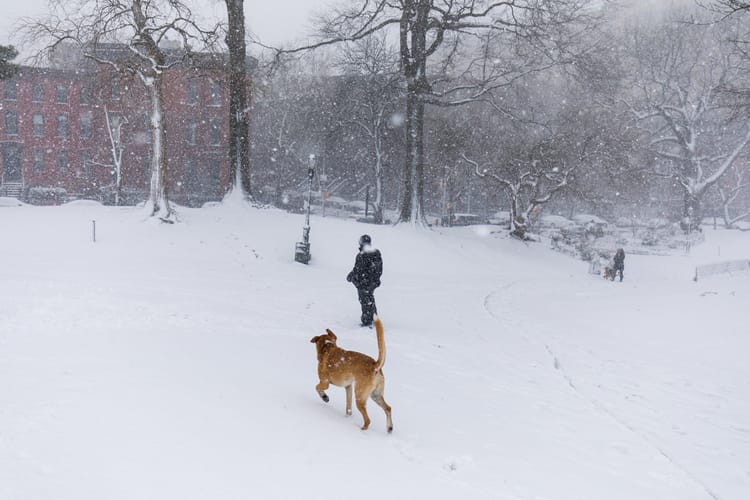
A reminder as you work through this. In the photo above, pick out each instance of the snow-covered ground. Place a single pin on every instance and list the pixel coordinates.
(173, 362)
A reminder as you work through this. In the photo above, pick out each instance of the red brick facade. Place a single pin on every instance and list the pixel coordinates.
(54, 134)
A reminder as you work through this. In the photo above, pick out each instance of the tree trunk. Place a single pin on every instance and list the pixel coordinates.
(115, 140)
(692, 211)
(158, 196)
(418, 215)
(378, 213)
(412, 201)
(238, 102)
(517, 222)
(413, 46)
(408, 190)
(728, 223)
(118, 184)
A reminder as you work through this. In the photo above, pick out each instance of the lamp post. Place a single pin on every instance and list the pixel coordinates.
(302, 248)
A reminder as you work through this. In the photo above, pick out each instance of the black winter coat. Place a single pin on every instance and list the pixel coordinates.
(368, 267)
(619, 260)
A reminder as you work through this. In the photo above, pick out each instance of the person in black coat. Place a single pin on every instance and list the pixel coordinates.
(619, 263)
(368, 267)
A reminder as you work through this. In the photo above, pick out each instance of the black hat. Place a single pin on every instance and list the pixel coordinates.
(364, 240)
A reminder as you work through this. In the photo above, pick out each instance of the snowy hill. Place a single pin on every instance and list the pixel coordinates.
(173, 362)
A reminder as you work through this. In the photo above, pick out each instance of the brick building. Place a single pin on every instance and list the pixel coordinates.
(55, 138)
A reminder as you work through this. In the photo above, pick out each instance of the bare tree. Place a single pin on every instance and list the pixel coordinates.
(239, 121)
(530, 180)
(428, 29)
(117, 146)
(681, 70)
(372, 99)
(138, 29)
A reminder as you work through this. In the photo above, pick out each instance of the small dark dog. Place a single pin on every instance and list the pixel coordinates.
(350, 368)
(609, 273)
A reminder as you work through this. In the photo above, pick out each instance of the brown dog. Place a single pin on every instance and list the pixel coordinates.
(346, 368)
(609, 273)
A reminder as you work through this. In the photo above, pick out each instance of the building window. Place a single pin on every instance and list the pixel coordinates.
(86, 158)
(12, 164)
(38, 157)
(62, 162)
(189, 176)
(37, 124)
(61, 94)
(37, 92)
(85, 96)
(62, 126)
(11, 122)
(215, 93)
(192, 133)
(86, 125)
(215, 131)
(191, 96)
(10, 91)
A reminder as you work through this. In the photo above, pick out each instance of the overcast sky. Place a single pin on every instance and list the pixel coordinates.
(274, 21)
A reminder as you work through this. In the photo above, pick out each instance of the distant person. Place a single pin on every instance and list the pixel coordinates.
(618, 263)
(368, 267)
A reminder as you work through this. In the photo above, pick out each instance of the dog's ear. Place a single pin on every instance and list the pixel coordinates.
(315, 339)
(331, 333)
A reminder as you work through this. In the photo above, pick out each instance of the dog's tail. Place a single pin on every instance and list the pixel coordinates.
(381, 343)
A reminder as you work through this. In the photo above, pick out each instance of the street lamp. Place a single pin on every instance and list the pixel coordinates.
(302, 248)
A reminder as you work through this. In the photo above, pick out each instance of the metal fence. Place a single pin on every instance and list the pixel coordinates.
(727, 267)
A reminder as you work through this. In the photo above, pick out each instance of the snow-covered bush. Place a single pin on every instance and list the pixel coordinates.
(650, 238)
(47, 195)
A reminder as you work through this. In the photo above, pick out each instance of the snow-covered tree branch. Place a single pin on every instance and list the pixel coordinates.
(681, 70)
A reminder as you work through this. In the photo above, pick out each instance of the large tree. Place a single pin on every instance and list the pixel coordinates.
(531, 163)
(433, 31)
(372, 95)
(239, 116)
(680, 73)
(139, 28)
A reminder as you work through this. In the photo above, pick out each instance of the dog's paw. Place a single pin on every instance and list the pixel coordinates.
(324, 397)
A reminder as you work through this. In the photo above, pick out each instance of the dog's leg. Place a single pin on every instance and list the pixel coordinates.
(321, 387)
(348, 400)
(361, 395)
(362, 407)
(377, 396)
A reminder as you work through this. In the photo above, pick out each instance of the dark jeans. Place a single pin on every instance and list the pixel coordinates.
(620, 269)
(367, 301)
